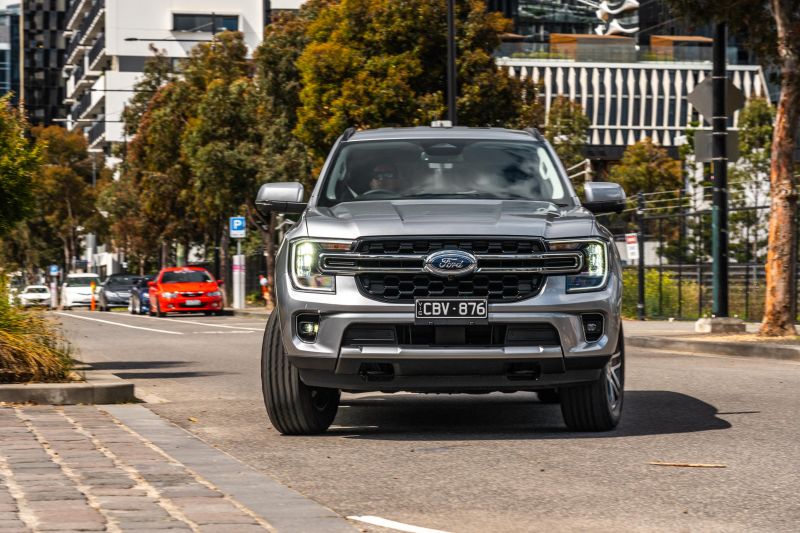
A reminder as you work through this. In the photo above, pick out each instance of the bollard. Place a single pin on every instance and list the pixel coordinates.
(92, 285)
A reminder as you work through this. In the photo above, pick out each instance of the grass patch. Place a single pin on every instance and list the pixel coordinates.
(32, 347)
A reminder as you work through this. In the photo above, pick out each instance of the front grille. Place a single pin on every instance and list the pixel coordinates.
(190, 294)
(427, 246)
(495, 286)
(474, 335)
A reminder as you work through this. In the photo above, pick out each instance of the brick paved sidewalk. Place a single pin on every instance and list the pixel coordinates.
(78, 468)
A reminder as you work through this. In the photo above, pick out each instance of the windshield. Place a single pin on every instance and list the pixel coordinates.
(36, 290)
(186, 276)
(121, 281)
(425, 168)
(81, 282)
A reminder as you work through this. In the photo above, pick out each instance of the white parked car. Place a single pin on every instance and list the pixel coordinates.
(77, 289)
(34, 295)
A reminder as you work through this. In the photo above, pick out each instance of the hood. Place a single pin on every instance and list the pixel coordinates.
(187, 286)
(351, 220)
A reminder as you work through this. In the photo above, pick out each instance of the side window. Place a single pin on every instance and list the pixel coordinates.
(548, 173)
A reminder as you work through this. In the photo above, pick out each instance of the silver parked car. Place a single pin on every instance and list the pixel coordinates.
(444, 260)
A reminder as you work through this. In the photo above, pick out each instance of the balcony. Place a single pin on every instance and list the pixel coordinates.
(79, 109)
(74, 49)
(97, 133)
(97, 54)
(74, 13)
(93, 22)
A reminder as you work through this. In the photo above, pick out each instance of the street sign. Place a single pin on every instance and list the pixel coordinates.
(703, 146)
(238, 227)
(632, 245)
(701, 98)
(54, 270)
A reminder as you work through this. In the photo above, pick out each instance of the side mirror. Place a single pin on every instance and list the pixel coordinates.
(280, 198)
(603, 197)
(220, 282)
(151, 283)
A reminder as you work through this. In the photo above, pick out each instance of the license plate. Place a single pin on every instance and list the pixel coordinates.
(192, 303)
(450, 309)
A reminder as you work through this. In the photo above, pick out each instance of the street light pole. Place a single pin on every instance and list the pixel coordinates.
(452, 115)
(719, 212)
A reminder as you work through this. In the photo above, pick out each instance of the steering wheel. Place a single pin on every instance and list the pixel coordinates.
(374, 191)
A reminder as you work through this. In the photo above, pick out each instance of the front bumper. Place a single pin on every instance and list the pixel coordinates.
(327, 363)
(179, 305)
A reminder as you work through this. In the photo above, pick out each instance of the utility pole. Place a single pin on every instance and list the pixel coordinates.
(640, 243)
(719, 210)
(452, 115)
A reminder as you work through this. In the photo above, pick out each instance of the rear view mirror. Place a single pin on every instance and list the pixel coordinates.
(280, 198)
(603, 197)
(151, 283)
(220, 282)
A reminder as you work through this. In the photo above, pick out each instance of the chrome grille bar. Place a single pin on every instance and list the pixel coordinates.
(351, 263)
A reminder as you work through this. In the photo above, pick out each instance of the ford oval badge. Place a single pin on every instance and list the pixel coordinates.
(450, 263)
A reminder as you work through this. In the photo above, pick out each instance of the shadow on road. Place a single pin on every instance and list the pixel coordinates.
(167, 375)
(519, 416)
(136, 365)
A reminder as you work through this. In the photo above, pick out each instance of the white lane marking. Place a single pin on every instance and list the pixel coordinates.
(183, 321)
(391, 524)
(118, 323)
(221, 332)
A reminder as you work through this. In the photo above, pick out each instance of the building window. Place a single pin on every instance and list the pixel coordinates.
(204, 22)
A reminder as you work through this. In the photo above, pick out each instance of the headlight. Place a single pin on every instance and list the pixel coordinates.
(168, 295)
(594, 275)
(214, 293)
(304, 264)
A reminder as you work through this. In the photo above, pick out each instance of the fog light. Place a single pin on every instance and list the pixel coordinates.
(592, 326)
(307, 327)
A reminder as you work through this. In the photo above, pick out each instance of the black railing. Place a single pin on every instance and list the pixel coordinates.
(82, 105)
(97, 130)
(97, 5)
(73, 7)
(74, 43)
(97, 49)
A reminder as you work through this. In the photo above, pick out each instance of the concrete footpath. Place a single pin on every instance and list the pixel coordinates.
(123, 468)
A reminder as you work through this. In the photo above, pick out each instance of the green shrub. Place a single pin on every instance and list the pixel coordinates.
(31, 346)
(669, 303)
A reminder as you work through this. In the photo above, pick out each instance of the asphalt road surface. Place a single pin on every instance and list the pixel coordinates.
(502, 462)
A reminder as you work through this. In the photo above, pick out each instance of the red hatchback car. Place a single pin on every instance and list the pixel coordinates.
(185, 289)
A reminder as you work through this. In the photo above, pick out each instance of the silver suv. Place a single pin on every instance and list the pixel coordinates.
(444, 260)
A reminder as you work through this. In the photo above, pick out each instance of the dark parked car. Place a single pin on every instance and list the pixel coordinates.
(115, 291)
(140, 296)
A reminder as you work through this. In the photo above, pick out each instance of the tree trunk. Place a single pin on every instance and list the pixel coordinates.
(778, 305)
(165, 246)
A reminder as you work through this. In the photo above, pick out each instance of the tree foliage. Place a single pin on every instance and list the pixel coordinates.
(19, 161)
(566, 129)
(371, 63)
(646, 167)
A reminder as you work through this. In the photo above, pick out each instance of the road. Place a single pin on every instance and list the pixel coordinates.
(487, 463)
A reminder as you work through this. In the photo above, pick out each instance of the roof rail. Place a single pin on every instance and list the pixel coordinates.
(533, 132)
(348, 133)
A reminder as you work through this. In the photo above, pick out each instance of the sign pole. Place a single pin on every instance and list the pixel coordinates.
(238, 231)
(719, 212)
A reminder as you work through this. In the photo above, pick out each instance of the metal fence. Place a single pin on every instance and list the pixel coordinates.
(674, 277)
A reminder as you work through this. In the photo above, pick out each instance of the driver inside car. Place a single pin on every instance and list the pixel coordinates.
(384, 177)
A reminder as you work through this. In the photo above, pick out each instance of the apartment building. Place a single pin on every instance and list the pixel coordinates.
(109, 43)
(43, 43)
(9, 50)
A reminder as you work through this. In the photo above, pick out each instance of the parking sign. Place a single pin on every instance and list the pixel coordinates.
(54, 270)
(238, 227)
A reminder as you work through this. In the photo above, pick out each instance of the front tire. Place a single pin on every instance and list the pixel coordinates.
(293, 407)
(597, 406)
